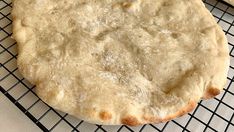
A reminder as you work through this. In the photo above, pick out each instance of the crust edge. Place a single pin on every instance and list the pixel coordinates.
(211, 92)
(133, 121)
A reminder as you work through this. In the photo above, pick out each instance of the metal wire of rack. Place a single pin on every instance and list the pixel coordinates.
(212, 115)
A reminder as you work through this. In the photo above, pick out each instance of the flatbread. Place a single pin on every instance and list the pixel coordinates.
(230, 2)
(120, 61)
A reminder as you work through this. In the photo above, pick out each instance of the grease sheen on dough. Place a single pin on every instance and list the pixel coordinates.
(120, 61)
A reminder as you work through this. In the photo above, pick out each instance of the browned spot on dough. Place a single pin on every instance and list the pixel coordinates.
(175, 35)
(191, 105)
(126, 4)
(105, 115)
(123, 5)
(211, 92)
(130, 120)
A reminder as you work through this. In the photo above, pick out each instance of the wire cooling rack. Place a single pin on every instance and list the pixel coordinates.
(212, 115)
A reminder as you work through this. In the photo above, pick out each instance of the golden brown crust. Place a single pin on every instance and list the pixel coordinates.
(211, 92)
(130, 120)
(191, 105)
(105, 115)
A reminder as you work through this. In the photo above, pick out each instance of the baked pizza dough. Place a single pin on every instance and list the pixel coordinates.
(120, 61)
(230, 2)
